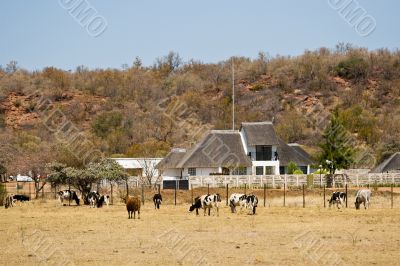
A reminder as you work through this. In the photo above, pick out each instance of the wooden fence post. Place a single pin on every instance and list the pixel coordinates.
(245, 187)
(391, 195)
(284, 194)
(191, 188)
(112, 197)
(143, 194)
(324, 196)
(176, 184)
(265, 187)
(346, 195)
(227, 193)
(304, 199)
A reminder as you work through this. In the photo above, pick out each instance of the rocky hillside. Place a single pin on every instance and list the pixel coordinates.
(143, 111)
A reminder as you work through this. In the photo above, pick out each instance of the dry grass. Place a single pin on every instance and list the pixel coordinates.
(43, 231)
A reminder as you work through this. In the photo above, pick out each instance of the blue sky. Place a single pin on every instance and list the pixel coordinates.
(43, 33)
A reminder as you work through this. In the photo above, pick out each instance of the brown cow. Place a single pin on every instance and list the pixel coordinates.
(133, 205)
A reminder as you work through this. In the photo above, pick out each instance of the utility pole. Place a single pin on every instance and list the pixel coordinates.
(233, 96)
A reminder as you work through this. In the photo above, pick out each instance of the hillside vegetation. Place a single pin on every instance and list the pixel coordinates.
(144, 111)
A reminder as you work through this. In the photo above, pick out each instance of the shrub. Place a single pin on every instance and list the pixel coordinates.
(352, 68)
(3, 193)
(257, 87)
(298, 172)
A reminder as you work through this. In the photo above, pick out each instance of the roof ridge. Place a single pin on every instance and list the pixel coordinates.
(224, 131)
(258, 123)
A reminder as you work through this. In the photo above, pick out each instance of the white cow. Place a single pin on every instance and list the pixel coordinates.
(363, 196)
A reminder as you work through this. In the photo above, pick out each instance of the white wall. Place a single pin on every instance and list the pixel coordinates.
(139, 163)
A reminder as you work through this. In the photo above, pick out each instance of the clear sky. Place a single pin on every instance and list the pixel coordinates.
(43, 33)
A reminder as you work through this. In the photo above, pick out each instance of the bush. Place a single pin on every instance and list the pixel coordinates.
(257, 87)
(3, 193)
(298, 172)
(352, 68)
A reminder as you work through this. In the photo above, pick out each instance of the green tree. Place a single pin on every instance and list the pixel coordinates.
(292, 168)
(337, 151)
(113, 172)
(57, 174)
(83, 179)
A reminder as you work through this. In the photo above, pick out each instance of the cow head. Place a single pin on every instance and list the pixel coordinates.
(357, 204)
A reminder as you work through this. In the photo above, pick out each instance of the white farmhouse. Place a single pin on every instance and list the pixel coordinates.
(255, 149)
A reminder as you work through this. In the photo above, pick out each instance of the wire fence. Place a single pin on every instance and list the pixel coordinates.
(285, 196)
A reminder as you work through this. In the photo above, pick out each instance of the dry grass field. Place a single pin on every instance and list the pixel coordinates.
(43, 232)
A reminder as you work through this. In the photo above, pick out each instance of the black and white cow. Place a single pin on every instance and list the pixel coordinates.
(93, 198)
(236, 200)
(68, 195)
(363, 196)
(252, 203)
(206, 202)
(248, 202)
(338, 198)
(157, 199)
(21, 198)
(97, 200)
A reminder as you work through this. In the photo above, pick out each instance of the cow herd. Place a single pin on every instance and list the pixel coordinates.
(363, 196)
(206, 202)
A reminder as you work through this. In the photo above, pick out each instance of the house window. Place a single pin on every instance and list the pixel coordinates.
(192, 171)
(263, 153)
(282, 170)
(269, 170)
(239, 171)
(303, 169)
(259, 170)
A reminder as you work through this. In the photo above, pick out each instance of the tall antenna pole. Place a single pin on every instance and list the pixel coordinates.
(233, 96)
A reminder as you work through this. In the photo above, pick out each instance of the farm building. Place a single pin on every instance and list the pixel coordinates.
(140, 166)
(390, 165)
(255, 149)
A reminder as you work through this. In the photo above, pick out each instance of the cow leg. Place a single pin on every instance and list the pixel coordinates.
(197, 211)
(209, 211)
(138, 214)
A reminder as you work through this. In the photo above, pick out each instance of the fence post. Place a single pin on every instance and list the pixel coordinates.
(324, 196)
(346, 195)
(284, 194)
(304, 199)
(245, 187)
(112, 197)
(208, 189)
(143, 194)
(176, 184)
(273, 182)
(191, 189)
(391, 195)
(265, 193)
(227, 192)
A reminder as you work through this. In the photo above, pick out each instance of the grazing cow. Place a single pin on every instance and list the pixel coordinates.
(251, 203)
(338, 198)
(237, 199)
(107, 199)
(157, 199)
(93, 198)
(133, 205)
(68, 195)
(206, 202)
(362, 196)
(21, 198)
(9, 201)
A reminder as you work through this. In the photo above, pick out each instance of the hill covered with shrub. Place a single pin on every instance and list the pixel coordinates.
(145, 110)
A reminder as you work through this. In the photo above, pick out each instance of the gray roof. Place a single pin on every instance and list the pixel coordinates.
(292, 153)
(297, 147)
(260, 133)
(219, 148)
(172, 159)
(392, 164)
